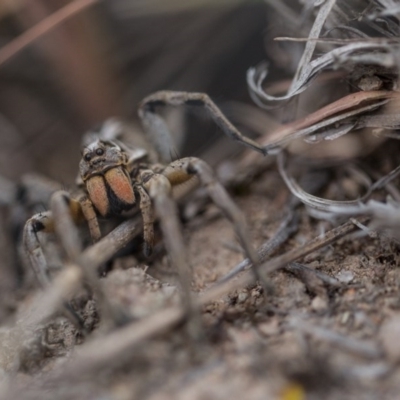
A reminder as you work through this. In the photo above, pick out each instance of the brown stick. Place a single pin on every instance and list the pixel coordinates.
(42, 28)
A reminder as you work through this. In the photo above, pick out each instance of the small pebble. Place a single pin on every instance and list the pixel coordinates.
(242, 297)
(345, 276)
(319, 304)
(345, 318)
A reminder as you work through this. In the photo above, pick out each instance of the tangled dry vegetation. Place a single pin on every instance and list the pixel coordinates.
(323, 206)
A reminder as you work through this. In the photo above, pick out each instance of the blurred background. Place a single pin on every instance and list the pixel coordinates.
(68, 65)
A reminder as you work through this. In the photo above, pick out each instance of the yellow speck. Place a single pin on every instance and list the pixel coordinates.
(293, 391)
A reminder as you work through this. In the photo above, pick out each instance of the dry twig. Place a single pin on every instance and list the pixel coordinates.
(42, 28)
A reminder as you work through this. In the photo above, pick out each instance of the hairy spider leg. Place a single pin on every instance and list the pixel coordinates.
(44, 223)
(157, 129)
(184, 169)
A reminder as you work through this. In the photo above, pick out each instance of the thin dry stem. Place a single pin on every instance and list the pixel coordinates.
(42, 28)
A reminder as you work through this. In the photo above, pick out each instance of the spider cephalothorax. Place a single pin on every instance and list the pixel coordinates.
(103, 170)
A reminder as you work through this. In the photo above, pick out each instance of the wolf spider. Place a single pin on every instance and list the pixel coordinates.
(114, 178)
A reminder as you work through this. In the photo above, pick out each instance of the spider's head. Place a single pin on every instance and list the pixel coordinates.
(103, 170)
(99, 157)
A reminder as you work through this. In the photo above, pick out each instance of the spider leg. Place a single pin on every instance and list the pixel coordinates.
(90, 216)
(182, 170)
(64, 209)
(158, 131)
(65, 227)
(148, 220)
(42, 222)
(159, 189)
(78, 210)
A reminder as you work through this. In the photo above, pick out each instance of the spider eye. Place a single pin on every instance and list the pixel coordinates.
(99, 152)
(87, 157)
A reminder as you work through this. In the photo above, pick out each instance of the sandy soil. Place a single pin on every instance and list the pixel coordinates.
(306, 338)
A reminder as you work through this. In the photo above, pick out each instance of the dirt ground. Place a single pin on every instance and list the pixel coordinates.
(308, 337)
